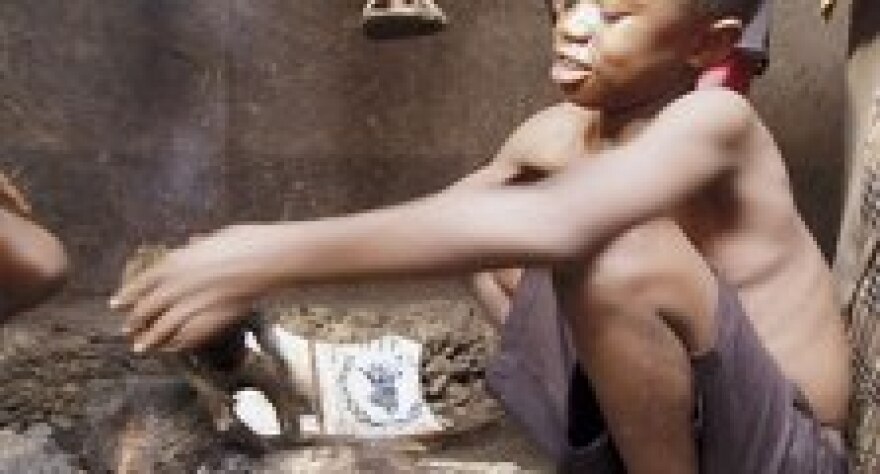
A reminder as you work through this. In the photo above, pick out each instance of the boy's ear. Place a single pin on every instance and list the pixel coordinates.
(716, 42)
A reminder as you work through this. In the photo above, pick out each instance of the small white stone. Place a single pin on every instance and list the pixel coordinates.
(256, 412)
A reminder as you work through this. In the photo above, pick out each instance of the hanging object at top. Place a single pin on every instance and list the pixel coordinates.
(400, 18)
(827, 7)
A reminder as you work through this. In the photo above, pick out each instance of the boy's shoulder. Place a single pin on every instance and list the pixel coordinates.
(716, 112)
(716, 127)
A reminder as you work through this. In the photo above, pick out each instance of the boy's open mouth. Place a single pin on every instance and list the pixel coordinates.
(568, 70)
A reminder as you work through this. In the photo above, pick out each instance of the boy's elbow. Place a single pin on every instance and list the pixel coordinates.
(51, 268)
(41, 275)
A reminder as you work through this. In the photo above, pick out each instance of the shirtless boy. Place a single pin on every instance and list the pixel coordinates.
(32, 261)
(681, 210)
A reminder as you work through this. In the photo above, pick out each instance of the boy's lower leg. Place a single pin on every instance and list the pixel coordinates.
(641, 375)
(636, 351)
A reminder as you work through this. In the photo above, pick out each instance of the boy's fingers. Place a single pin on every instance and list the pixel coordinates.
(147, 308)
(134, 289)
(198, 330)
(168, 324)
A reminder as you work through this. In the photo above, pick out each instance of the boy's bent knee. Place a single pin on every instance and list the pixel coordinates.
(639, 279)
(623, 277)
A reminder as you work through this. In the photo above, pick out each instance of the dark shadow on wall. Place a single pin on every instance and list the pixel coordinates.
(427, 110)
(802, 99)
(115, 112)
(865, 27)
(164, 177)
(178, 75)
(325, 120)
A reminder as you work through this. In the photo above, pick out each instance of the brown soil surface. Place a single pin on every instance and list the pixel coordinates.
(74, 399)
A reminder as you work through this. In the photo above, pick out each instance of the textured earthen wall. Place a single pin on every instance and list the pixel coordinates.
(146, 120)
(863, 78)
(858, 263)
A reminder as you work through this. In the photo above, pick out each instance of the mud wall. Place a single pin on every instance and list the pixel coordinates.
(863, 97)
(803, 100)
(147, 120)
(857, 259)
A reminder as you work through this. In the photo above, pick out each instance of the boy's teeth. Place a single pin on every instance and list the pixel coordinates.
(563, 72)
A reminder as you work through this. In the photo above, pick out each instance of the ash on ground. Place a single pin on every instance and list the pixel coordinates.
(73, 398)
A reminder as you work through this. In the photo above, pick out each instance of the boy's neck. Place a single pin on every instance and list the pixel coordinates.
(615, 125)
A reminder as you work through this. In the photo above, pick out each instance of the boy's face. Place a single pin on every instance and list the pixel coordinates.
(615, 53)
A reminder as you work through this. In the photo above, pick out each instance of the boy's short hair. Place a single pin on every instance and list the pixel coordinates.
(755, 15)
(745, 10)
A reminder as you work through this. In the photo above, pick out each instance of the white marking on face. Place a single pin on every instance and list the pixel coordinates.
(586, 17)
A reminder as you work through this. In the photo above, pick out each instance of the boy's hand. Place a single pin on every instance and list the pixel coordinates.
(12, 199)
(197, 290)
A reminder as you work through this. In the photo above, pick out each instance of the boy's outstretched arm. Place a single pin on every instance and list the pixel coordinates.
(199, 289)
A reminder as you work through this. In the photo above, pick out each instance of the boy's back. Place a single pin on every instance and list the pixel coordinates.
(748, 229)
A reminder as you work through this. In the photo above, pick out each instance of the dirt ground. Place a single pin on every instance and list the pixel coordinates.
(74, 399)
